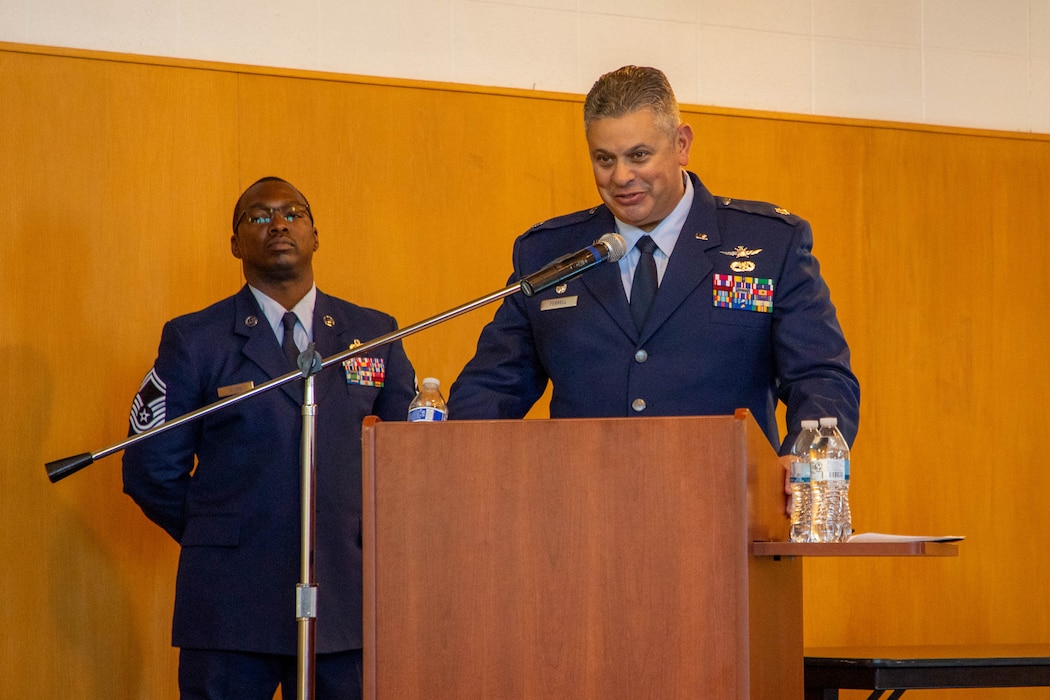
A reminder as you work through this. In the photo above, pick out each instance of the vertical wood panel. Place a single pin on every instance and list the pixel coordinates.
(120, 177)
(113, 172)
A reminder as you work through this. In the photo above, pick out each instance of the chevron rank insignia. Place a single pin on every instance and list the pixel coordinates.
(365, 371)
(745, 293)
(148, 406)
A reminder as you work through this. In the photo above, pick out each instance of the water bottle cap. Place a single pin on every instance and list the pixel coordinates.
(810, 424)
(432, 383)
(831, 421)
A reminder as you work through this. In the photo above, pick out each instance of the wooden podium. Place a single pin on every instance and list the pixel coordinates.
(582, 558)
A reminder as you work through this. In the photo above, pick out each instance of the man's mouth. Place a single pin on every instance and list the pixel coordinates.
(629, 198)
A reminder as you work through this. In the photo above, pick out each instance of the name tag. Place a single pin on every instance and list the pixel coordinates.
(559, 303)
(234, 389)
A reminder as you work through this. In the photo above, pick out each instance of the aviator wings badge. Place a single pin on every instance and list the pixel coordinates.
(741, 253)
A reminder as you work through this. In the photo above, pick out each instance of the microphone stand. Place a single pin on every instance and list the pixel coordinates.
(306, 591)
(310, 364)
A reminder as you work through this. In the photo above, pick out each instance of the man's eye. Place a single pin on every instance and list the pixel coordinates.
(640, 155)
(259, 218)
(294, 216)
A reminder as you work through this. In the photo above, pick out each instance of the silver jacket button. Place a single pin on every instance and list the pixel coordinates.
(638, 405)
(641, 356)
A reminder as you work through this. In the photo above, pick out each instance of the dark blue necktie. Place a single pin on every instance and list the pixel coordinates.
(288, 343)
(643, 289)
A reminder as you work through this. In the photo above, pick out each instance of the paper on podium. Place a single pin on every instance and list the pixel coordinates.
(881, 537)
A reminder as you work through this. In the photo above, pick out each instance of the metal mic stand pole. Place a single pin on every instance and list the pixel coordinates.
(306, 592)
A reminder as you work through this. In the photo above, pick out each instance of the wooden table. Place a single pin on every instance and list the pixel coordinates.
(897, 669)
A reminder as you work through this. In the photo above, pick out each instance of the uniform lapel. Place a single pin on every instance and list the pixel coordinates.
(260, 345)
(604, 281)
(332, 335)
(688, 264)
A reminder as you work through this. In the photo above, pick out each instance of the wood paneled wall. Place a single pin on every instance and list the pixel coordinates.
(120, 174)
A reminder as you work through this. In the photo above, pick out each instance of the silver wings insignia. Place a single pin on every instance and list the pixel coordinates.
(741, 252)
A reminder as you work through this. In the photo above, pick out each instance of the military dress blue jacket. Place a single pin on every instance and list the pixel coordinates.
(236, 515)
(742, 319)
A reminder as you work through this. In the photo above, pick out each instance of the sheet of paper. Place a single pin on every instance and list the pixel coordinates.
(882, 537)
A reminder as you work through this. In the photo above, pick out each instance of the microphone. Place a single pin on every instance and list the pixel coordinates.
(610, 247)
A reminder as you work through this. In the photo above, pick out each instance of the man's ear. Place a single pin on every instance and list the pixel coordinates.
(234, 247)
(683, 142)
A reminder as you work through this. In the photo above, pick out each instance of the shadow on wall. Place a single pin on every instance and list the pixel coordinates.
(66, 612)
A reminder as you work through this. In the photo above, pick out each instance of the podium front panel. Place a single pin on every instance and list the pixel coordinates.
(591, 558)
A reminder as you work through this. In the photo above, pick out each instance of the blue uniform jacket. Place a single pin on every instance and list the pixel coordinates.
(236, 516)
(694, 356)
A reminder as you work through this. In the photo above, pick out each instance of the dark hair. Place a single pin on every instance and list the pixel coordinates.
(269, 178)
(629, 89)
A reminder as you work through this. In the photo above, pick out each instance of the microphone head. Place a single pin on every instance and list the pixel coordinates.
(616, 244)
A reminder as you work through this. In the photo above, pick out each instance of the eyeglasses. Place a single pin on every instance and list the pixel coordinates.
(259, 216)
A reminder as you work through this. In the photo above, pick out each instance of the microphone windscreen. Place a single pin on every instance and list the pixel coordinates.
(616, 244)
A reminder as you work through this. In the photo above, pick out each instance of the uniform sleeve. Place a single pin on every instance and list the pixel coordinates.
(813, 359)
(157, 469)
(505, 377)
(399, 384)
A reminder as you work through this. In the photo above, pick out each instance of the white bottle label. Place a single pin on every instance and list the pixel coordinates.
(426, 414)
(829, 470)
(799, 472)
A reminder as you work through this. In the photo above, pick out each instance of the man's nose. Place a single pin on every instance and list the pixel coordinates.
(622, 172)
(277, 221)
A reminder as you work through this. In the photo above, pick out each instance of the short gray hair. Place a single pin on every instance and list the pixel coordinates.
(629, 89)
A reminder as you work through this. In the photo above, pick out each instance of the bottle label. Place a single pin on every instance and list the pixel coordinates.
(829, 470)
(427, 414)
(799, 472)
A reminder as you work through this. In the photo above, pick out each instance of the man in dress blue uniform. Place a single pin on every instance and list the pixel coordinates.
(227, 487)
(741, 317)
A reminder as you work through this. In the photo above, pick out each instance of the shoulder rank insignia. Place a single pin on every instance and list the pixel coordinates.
(563, 220)
(148, 408)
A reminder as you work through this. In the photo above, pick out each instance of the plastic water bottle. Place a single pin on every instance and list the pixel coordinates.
(429, 404)
(829, 481)
(801, 494)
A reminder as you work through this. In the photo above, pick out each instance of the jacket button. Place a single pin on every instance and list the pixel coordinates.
(638, 405)
(641, 356)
